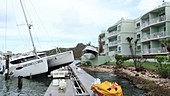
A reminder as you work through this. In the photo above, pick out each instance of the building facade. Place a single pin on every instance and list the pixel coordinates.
(149, 29)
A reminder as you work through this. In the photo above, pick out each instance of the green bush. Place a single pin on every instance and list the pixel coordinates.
(120, 60)
(164, 72)
(160, 59)
(87, 63)
(163, 69)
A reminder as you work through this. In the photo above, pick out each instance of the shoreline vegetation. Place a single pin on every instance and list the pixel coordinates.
(147, 80)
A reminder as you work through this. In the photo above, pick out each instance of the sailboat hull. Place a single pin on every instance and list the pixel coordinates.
(33, 67)
(60, 59)
(1, 68)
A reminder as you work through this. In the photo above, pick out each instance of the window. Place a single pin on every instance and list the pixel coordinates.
(137, 25)
(138, 48)
(164, 28)
(138, 36)
(119, 48)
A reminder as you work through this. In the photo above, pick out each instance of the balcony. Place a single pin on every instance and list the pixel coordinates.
(158, 50)
(113, 43)
(113, 33)
(158, 19)
(156, 35)
(153, 21)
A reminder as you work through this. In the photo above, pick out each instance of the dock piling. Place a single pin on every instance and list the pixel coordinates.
(20, 81)
(7, 67)
(30, 76)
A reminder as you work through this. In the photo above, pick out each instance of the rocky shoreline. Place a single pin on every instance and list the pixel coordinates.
(146, 80)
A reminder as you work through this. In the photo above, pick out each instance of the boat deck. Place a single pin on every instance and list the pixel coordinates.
(79, 84)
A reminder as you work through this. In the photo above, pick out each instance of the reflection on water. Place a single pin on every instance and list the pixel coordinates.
(35, 87)
(40, 83)
(128, 88)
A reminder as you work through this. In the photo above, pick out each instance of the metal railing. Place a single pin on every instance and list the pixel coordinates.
(156, 35)
(154, 20)
(113, 43)
(113, 33)
(155, 50)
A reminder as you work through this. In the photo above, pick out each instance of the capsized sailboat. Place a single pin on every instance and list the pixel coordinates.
(29, 64)
(60, 59)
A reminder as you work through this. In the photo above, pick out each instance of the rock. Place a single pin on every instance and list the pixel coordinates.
(143, 73)
(136, 74)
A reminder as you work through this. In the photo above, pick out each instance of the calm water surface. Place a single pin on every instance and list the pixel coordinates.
(40, 83)
(128, 88)
(35, 87)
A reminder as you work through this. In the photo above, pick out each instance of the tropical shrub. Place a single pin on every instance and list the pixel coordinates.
(163, 69)
(160, 59)
(87, 63)
(120, 60)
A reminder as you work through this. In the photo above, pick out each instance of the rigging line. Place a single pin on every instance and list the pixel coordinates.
(37, 38)
(6, 23)
(41, 21)
(26, 8)
(29, 29)
(19, 30)
(27, 13)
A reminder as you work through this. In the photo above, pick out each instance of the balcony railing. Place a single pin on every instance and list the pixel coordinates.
(156, 35)
(113, 43)
(113, 33)
(155, 20)
(155, 50)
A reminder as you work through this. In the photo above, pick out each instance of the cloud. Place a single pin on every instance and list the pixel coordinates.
(64, 23)
(148, 5)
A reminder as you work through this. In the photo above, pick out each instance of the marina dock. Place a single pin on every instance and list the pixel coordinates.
(78, 84)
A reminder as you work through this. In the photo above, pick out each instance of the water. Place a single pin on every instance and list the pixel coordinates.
(128, 88)
(35, 87)
(40, 83)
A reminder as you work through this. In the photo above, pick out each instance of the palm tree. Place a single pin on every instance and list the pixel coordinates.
(100, 45)
(129, 39)
(136, 42)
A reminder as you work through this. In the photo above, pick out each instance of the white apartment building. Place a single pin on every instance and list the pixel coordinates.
(149, 29)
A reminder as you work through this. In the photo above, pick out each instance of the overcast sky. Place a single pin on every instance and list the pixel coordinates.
(63, 23)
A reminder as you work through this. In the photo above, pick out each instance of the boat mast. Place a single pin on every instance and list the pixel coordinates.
(29, 28)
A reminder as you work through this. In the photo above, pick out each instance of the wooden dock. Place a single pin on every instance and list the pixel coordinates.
(78, 84)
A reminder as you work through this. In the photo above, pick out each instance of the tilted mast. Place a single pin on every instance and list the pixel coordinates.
(29, 28)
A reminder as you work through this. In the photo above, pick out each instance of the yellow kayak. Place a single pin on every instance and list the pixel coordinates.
(107, 89)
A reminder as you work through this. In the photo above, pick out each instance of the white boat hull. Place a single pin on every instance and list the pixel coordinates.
(32, 67)
(89, 56)
(60, 58)
(1, 67)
